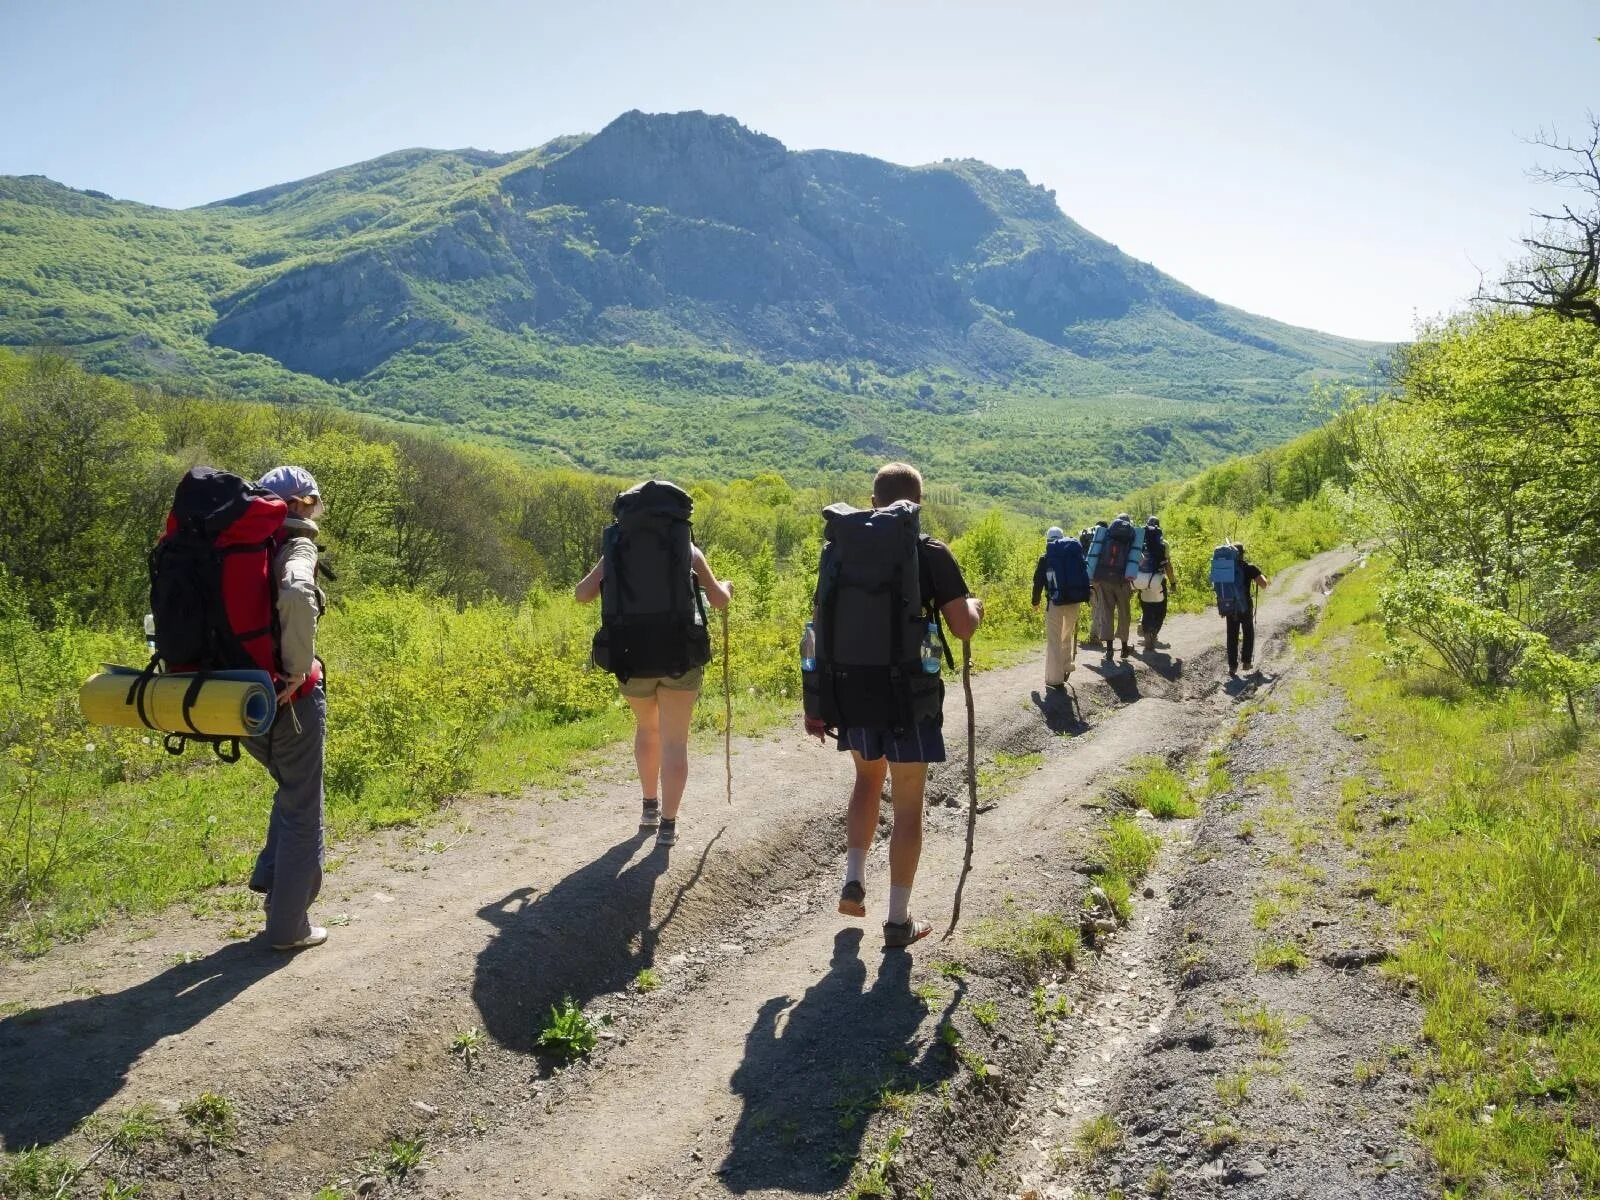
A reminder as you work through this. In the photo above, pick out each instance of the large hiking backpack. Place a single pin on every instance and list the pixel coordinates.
(870, 622)
(1227, 579)
(1116, 546)
(213, 594)
(1151, 559)
(652, 618)
(1066, 572)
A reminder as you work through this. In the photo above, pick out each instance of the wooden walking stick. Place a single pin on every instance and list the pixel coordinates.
(727, 711)
(972, 783)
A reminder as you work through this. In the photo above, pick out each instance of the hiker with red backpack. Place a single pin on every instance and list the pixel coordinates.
(870, 667)
(1063, 580)
(233, 588)
(1234, 578)
(653, 584)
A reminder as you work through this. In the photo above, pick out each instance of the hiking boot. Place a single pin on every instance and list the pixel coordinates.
(316, 937)
(899, 935)
(1125, 650)
(853, 899)
(1055, 687)
(1108, 649)
(667, 834)
(649, 816)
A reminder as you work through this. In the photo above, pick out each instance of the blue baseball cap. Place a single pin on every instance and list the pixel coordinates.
(290, 483)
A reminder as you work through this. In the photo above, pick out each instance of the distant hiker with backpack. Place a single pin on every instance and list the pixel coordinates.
(1154, 582)
(653, 583)
(1234, 578)
(1063, 580)
(1114, 548)
(871, 661)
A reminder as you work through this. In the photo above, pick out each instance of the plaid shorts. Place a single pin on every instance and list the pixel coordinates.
(923, 744)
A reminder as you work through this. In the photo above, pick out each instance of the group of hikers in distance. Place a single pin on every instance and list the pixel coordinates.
(1105, 566)
(234, 582)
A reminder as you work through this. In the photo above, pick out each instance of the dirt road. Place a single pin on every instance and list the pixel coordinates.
(783, 1048)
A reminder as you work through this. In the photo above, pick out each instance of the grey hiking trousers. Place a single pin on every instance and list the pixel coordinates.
(289, 867)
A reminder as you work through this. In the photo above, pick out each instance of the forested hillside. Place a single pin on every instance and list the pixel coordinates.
(678, 290)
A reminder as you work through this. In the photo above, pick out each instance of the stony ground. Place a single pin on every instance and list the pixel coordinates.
(1236, 1035)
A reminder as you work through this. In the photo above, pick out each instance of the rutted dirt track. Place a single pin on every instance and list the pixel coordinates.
(757, 1066)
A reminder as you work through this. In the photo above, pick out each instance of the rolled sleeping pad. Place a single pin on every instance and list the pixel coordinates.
(228, 703)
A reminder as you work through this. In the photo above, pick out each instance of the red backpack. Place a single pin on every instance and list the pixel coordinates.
(213, 592)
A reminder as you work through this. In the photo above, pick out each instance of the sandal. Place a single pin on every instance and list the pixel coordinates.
(896, 936)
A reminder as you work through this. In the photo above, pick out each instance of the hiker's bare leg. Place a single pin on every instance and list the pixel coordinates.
(647, 744)
(907, 781)
(676, 712)
(861, 821)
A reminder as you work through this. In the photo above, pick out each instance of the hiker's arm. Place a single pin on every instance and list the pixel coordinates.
(588, 588)
(297, 608)
(1038, 582)
(717, 592)
(1171, 572)
(962, 616)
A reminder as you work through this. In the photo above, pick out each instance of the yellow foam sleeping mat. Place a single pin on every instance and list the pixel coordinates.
(226, 704)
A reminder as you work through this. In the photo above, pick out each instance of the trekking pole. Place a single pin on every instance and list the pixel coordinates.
(727, 710)
(972, 783)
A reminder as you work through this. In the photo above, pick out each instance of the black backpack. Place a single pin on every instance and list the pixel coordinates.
(652, 620)
(870, 622)
(1114, 551)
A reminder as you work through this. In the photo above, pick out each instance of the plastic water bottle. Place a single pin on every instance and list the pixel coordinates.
(808, 648)
(1050, 580)
(932, 651)
(150, 632)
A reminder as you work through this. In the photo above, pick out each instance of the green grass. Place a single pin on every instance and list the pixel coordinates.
(212, 1118)
(1128, 851)
(37, 1174)
(1268, 1026)
(1493, 879)
(1035, 942)
(1233, 1088)
(647, 980)
(1161, 791)
(1005, 769)
(467, 1045)
(986, 1013)
(1281, 955)
(1098, 1137)
(568, 1034)
(403, 1155)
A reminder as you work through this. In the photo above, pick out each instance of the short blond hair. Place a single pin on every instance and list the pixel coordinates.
(896, 481)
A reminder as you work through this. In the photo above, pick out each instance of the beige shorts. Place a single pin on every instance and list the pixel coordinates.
(643, 687)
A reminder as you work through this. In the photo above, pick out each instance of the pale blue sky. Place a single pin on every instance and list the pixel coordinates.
(1343, 166)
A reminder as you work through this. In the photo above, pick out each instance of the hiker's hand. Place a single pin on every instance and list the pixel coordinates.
(1035, 606)
(290, 687)
(817, 728)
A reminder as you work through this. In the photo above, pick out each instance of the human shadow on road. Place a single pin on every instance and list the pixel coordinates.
(1061, 711)
(1164, 665)
(589, 934)
(812, 1074)
(65, 1061)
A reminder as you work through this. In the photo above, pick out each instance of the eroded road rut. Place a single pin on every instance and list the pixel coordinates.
(784, 1048)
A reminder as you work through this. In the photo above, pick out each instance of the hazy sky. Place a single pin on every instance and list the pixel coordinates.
(1343, 166)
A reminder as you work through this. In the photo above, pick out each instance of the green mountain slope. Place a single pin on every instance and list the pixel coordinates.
(680, 293)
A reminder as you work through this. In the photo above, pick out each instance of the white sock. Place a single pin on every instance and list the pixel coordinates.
(899, 905)
(855, 866)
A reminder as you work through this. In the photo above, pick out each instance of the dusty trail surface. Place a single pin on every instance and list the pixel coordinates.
(783, 1046)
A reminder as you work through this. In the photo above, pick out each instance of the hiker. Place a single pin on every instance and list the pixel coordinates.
(1236, 602)
(653, 636)
(1097, 613)
(1155, 581)
(288, 871)
(1060, 576)
(889, 719)
(1113, 590)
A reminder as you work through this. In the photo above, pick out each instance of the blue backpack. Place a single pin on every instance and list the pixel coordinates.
(1227, 579)
(1065, 573)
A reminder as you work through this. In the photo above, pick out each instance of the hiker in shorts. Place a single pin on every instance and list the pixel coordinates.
(1244, 622)
(902, 750)
(1155, 581)
(662, 697)
(288, 870)
(1061, 580)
